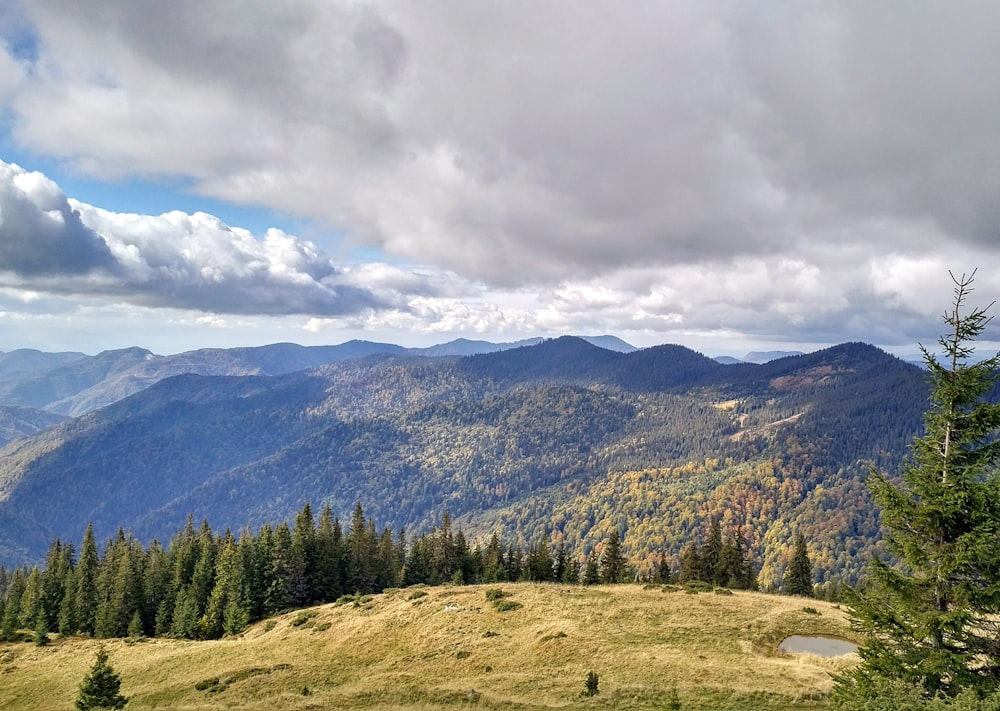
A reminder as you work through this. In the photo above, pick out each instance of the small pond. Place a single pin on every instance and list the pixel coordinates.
(821, 646)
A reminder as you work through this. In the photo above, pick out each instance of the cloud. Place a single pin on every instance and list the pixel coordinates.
(520, 144)
(58, 245)
(795, 171)
(41, 235)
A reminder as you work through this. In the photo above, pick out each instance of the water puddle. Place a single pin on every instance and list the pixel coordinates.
(820, 646)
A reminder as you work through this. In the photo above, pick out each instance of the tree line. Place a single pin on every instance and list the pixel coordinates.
(204, 585)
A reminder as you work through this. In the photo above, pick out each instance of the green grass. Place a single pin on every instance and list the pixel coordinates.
(457, 651)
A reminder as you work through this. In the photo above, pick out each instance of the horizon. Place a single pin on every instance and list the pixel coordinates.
(912, 356)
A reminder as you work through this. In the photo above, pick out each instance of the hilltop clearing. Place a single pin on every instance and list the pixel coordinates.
(452, 647)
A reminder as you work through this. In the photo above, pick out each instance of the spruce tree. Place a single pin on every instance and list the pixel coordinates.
(100, 687)
(86, 583)
(934, 622)
(591, 576)
(612, 560)
(798, 575)
(711, 555)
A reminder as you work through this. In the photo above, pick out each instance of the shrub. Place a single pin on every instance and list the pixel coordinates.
(810, 610)
(208, 684)
(591, 684)
(303, 617)
(506, 605)
(417, 594)
(494, 594)
(723, 591)
(697, 586)
(672, 701)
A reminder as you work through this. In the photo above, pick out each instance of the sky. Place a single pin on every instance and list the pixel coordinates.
(723, 175)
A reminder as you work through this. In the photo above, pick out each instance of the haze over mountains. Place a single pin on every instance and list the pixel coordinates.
(558, 440)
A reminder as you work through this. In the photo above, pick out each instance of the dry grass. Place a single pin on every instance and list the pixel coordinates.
(452, 648)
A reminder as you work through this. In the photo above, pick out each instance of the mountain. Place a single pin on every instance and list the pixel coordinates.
(74, 384)
(559, 440)
(728, 360)
(19, 422)
(767, 356)
(25, 361)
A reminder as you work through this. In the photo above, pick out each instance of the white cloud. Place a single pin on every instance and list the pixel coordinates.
(57, 245)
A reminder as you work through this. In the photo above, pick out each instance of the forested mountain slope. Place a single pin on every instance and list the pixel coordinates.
(75, 384)
(562, 440)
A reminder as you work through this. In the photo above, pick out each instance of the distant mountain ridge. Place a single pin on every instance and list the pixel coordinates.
(74, 384)
(558, 439)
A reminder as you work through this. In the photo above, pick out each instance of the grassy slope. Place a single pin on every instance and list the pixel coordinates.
(395, 652)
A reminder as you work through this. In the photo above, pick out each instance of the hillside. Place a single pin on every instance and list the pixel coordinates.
(561, 441)
(74, 384)
(437, 648)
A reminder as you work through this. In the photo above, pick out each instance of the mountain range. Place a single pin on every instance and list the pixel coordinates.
(73, 384)
(559, 440)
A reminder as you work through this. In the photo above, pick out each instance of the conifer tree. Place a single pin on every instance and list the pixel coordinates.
(276, 594)
(362, 548)
(155, 583)
(493, 570)
(31, 598)
(228, 595)
(612, 560)
(100, 688)
(690, 563)
(86, 583)
(58, 568)
(12, 607)
(66, 621)
(798, 575)
(591, 573)
(934, 623)
(711, 555)
(302, 585)
(328, 580)
(41, 628)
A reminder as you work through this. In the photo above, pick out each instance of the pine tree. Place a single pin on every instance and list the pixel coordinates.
(934, 623)
(100, 688)
(798, 575)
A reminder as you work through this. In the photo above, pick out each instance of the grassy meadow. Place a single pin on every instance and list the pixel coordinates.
(450, 647)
